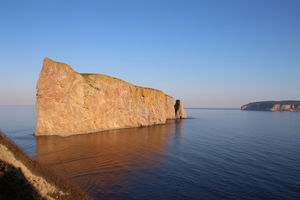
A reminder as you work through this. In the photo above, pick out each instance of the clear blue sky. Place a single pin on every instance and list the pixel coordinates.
(209, 53)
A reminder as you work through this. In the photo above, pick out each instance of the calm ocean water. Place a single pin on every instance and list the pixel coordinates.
(217, 154)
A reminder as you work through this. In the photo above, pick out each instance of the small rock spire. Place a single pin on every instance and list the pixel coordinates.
(179, 110)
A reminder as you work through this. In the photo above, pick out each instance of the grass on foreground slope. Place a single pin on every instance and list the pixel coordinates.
(14, 185)
(19, 186)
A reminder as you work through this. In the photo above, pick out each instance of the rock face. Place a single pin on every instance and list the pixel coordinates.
(69, 102)
(179, 110)
(287, 106)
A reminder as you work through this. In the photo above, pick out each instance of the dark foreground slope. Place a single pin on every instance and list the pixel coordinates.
(24, 178)
(289, 106)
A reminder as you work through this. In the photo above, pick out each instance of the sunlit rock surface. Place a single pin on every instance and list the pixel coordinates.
(279, 106)
(71, 103)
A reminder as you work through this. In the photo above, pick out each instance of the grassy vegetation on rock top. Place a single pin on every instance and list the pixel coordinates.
(86, 77)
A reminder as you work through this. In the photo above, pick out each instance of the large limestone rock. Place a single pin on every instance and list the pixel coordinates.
(70, 103)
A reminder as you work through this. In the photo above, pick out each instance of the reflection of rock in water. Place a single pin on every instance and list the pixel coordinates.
(178, 134)
(179, 126)
(104, 163)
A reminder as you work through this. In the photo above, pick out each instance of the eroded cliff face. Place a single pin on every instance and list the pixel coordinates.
(275, 106)
(70, 103)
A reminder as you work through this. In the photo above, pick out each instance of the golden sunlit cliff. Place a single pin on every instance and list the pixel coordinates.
(71, 103)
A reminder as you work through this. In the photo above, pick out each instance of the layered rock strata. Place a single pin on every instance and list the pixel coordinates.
(69, 102)
(276, 106)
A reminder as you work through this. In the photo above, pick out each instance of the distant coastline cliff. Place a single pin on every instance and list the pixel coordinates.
(70, 103)
(277, 106)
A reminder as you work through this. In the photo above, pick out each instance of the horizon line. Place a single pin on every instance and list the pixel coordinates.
(184, 107)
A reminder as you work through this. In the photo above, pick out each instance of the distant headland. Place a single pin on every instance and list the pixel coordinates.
(277, 106)
(72, 103)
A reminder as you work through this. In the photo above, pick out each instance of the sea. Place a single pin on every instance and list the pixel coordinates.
(215, 154)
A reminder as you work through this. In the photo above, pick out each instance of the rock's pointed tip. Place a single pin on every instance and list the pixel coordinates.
(50, 61)
(46, 59)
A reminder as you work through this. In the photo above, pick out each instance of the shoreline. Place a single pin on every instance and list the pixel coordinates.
(19, 167)
(108, 129)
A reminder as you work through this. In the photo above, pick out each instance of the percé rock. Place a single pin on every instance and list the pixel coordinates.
(279, 106)
(179, 110)
(71, 103)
